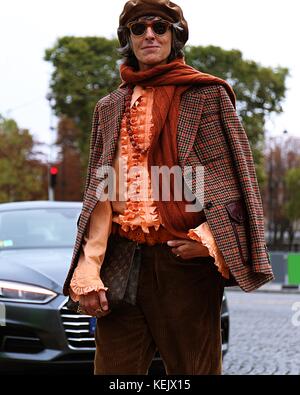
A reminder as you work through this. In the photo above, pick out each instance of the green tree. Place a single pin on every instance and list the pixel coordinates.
(259, 90)
(21, 175)
(69, 185)
(282, 155)
(292, 205)
(86, 68)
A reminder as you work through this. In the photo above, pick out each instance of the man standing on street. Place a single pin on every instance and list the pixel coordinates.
(166, 113)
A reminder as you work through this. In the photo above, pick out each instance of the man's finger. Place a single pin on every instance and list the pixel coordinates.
(176, 243)
(89, 303)
(176, 251)
(103, 300)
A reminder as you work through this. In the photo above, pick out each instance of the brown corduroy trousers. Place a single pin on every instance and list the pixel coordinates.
(178, 312)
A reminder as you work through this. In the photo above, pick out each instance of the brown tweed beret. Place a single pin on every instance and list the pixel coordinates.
(166, 9)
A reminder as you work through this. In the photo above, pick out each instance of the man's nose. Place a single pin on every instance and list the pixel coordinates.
(149, 33)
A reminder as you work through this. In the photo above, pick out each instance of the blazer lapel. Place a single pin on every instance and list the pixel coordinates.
(190, 111)
(188, 123)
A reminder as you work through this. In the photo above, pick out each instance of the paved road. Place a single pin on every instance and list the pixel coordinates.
(264, 334)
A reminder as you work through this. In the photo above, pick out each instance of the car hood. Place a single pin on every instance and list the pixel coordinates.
(46, 267)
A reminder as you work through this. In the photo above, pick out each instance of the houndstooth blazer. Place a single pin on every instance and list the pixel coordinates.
(210, 134)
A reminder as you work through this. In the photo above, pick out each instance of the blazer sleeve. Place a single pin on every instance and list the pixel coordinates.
(95, 141)
(86, 277)
(95, 138)
(246, 174)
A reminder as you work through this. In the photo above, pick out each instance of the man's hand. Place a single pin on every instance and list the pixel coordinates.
(94, 303)
(188, 249)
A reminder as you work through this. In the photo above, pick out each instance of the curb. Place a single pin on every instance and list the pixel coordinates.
(280, 289)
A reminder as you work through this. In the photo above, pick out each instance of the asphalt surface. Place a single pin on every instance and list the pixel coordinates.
(264, 334)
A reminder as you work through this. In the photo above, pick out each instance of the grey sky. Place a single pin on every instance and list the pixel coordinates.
(264, 30)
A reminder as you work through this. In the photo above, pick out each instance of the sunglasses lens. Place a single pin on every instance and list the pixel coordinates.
(138, 29)
(160, 27)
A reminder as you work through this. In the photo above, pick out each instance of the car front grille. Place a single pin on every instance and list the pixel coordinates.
(77, 329)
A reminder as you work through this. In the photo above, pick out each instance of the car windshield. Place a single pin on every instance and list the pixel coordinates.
(38, 228)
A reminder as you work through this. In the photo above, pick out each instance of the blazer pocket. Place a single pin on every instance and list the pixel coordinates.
(238, 218)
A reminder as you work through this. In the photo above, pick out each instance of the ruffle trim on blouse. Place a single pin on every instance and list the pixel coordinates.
(149, 218)
(94, 281)
(203, 234)
(140, 210)
(145, 218)
(76, 290)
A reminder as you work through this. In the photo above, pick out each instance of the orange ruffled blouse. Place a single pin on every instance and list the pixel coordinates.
(133, 205)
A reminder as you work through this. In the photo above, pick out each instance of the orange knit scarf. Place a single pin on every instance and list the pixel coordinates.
(170, 81)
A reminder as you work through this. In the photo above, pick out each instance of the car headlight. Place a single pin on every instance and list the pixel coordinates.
(25, 293)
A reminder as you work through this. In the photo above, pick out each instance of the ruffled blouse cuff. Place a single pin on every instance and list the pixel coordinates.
(78, 285)
(204, 235)
(86, 276)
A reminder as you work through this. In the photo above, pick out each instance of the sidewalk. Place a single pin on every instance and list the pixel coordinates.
(271, 287)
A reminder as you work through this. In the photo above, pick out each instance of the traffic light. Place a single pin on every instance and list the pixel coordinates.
(53, 175)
